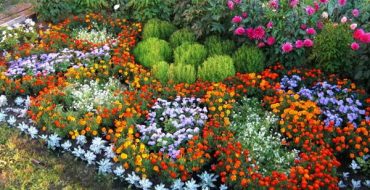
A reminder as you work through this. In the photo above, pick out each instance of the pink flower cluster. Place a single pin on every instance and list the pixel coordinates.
(231, 3)
(288, 47)
(362, 36)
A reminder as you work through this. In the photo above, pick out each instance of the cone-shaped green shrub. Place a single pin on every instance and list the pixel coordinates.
(182, 36)
(217, 46)
(249, 60)
(216, 68)
(190, 54)
(160, 71)
(182, 73)
(152, 51)
(156, 28)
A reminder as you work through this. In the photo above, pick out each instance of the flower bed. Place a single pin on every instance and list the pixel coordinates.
(279, 128)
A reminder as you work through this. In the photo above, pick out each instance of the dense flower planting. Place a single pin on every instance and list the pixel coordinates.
(280, 128)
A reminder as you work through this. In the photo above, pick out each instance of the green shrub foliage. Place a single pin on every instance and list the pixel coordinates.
(179, 73)
(182, 36)
(160, 71)
(152, 51)
(191, 54)
(156, 28)
(143, 10)
(332, 50)
(216, 46)
(217, 68)
(249, 59)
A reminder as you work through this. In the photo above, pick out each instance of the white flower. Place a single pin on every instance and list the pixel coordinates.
(343, 20)
(207, 179)
(3, 101)
(11, 121)
(19, 101)
(53, 141)
(223, 187)
(78, 152)
(116, 7)
(43, 137)
(345, 175)
(105, 166)
(325, 15)
(341, 184)
(97, 145)
(109, 153)
(22, 127)
(66, 145)
(2, 116)
(356, 183)
(191, 185)
(119, 171)
(132, 178)
(177, 185)
(353, 26)
(89, 157)
(145, 184)
(32, 131)
(354, 165)
(81, 140)
(160, 187)
(27, 102)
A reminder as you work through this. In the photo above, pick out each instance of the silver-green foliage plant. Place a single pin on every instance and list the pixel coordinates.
(256, 130)
(217, 68)
(217, 46)
(190, 54)
(160, 71)
(152, 51)
(249, 59)
(156, 28)
(180, 73)
(182, 36)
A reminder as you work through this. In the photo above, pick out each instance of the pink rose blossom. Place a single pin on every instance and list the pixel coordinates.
(310, 31)
(237, 1)
(355, 46)
(303, 26)
(230, 4)
(293, 3)
(299, 44)
(358, 34)
(320, 25)
(245, 15)
(270, 41)
(274, 4)
(259, 33)
(237, 19)
(355, 12)
(270, 24)
(343, 20)
(261, 45)
(324, 1)
(308, 43)
(353, 26)
(316, 5)
(239, 31)
(310, 10)
(287, 47)
(342, 2)
(365, 38)
(250, 33)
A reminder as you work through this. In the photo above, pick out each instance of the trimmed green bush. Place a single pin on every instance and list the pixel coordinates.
(182, 36)
(182, 73)
(156, 28)
(217, 46)
(332, 49)
(249, 60)
(190, 54)
(160, 71)
(217, 68)
(152, 51)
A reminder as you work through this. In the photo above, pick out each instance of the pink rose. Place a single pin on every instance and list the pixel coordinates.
(270, 41)
(230, 4)
(310, 31)
(316, 5)
(270, 24)
(293, 3)
(355, 12)
(245, 15)
(287, 47)
(259, 33)
(342, 2)
(274, 4)
(310, 10)
(261, 45)
(320, 25)
(237, 1)
(355, 46)
(237, 19)
(250, 33)
(365, 38)
(343, 20)
(353, 26)
(239, 31)
(303, 26)
(358, 34)
(324, 1)
(299, 44)
(308, 43)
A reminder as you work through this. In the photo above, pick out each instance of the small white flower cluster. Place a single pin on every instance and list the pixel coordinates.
(93, 35)
(346, 182)
(87, 97)
(17, 31)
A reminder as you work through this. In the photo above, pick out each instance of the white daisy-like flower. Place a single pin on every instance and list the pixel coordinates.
(3, 101)
(89, 157)
(109, 153)
(11, 121)
(2, 116)
(27, 102)
(132, 178)
(354, 165)
(160, 187)
(78, 152)
(341, 184)
(23, 127)
(43, 137)
(191, 185)
(97, 145)
(356, 184)
(105, 166)
(208, 179)
(145, 184)
(81, 140)
(66, 145)
(32, 131)
(116, 7)
(177, 184)
(19, 101)
(119, 171)
(223, 187)
(53, 141)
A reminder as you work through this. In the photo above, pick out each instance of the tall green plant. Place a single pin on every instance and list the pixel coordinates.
(160, 71)
(151, 51)
(182, 73)
(190, 53)
(182, 36)
(217, 46)
(249, 59)
(217, 68)
(156, 28)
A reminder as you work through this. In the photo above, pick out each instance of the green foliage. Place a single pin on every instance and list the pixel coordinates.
(152, 51)
(93, 5)
(143, 10)
(182, 73)
(249, 59)
(332, 49)
(217, 68)
(190, 53)
(160, 71)
(182, 36)
(55, 10)
(217, 46)
(156, 28)
(364, 165)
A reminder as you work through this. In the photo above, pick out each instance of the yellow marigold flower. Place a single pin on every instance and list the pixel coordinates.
(124, 156)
